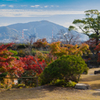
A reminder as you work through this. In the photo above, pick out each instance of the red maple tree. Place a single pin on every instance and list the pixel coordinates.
(33, 63)
(9, 64)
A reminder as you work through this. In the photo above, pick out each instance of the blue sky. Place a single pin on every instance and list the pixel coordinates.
(62, 12)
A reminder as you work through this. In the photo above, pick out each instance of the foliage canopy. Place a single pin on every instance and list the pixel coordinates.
(90, 24)
(66, 67)
(58, 50)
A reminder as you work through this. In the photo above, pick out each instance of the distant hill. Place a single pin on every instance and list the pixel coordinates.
(38, 29)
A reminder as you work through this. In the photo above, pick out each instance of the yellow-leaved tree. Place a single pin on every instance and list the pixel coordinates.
(58, 49)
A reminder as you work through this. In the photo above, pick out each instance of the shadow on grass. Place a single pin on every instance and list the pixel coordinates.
(96, 94)
(26, 93)
(21, 94)
(32, 93)
(95, 86)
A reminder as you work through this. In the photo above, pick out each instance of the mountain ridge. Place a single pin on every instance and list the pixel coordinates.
(39, 29)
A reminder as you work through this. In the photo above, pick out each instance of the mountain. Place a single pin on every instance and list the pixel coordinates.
(37, 29)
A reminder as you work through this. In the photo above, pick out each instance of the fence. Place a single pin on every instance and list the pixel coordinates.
(28, 81)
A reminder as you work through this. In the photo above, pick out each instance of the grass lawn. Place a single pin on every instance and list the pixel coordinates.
(57, 93)
(50, 93)
(91, 79)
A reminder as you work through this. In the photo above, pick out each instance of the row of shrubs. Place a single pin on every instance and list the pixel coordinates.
(58, 82)
(23, 53)
(24, 46)
(65, 71)
(16, 86)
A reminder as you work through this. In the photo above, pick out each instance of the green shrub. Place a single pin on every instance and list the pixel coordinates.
(20, 85)
(3, 74)
(63, 83)
(14, 85)
(70, 84)
(21, 53)
(15, 53)
(59, 82)
(2, 85)
(66, 67)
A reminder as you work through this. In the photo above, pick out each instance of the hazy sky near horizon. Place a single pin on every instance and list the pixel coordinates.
(62, 12)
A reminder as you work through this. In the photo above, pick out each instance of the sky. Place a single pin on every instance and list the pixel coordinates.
(61, 12)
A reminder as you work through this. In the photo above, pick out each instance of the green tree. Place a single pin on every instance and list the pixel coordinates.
(89, 24)
(66, 67)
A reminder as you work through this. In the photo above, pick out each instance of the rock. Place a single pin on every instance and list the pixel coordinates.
(97, 72)
(82, 86)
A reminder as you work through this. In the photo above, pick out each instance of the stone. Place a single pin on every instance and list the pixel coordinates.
(82, 86)
(97, 72)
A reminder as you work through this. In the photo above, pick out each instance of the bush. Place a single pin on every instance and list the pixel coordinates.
(21, 53)
(63, 83)
(2, 85)
(20, 86)
(66, 67)
(59, 82)
(15, 53)
(70, 84)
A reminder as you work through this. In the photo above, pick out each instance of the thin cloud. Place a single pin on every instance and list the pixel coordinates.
(45, 6)
(67, 24)
(52, 5)
(5, 24)
(32, 6)
(23, 5)
(34, 13)
(3, 5)
(36, 6)
(57, 6)
(11, 6)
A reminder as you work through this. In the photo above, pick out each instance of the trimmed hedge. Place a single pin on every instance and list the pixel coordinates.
(66, 67)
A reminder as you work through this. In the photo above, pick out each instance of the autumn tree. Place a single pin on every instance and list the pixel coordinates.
(92, 45)
(32, 63)
(98, 49)
(9, 64)
(41, 43)
(47, 57)
(59, 49)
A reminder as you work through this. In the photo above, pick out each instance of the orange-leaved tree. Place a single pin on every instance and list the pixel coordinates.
(41, 43)
(59, 49)
(47, 57)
